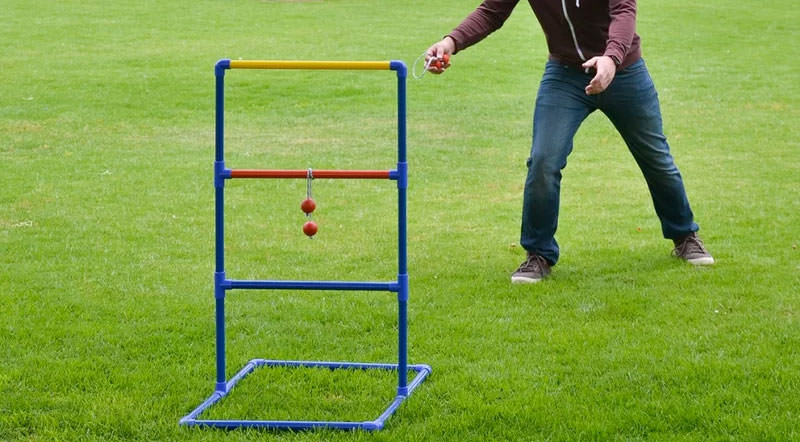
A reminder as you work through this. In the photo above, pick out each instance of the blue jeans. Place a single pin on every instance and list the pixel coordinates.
(631, 103)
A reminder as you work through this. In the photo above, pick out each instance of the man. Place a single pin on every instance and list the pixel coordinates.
(595, 63)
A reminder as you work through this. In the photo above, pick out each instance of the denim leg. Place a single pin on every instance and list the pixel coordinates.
(631, 103)
(561, 106)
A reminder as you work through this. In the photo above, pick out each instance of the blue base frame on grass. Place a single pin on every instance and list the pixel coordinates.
(422, 371)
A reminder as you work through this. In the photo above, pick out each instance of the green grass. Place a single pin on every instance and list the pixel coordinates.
(106, 228)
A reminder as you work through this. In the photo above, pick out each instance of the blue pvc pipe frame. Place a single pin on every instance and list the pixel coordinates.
(222, 283)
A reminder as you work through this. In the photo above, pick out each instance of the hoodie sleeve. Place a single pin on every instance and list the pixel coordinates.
(621, 29)
(487, 18)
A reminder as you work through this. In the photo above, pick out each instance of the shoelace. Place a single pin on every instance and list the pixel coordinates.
(533, 263)
(691, 244)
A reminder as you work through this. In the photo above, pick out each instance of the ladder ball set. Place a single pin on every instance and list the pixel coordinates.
(222, 283)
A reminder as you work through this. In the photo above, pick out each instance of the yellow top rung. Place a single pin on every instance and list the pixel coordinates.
(287, 64)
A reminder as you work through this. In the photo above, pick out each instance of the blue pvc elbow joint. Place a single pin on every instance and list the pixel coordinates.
(372, 425)
(400, 67)
(221, 66)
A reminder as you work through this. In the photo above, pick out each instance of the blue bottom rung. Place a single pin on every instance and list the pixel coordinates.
(312, 285)
(191, 419)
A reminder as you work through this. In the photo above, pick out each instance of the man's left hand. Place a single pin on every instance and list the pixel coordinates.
(605, 68)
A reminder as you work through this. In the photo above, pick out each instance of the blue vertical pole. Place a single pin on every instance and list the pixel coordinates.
(402, 272)
(219, 185)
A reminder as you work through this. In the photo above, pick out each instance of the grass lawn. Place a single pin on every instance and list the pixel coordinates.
(106, 228)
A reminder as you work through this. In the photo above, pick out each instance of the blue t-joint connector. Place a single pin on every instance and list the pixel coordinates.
(220, 173)
(402, 175)
(220, 285)
(402, 282)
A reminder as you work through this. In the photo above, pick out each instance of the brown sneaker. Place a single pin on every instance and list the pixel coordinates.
(690, 248)
(532, 270)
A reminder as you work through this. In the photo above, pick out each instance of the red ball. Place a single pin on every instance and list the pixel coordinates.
(308, 205)
(310, 228)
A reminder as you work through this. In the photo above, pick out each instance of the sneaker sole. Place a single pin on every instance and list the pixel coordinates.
(704, 261)
(524, 280)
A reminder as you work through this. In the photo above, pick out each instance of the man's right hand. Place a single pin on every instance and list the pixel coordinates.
(445, 46)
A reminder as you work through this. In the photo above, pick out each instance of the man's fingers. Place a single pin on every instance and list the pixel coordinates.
(595, 86)
(590, 63)
(437, 59)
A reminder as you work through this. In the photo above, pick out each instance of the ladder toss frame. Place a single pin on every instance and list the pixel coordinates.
(223, 284)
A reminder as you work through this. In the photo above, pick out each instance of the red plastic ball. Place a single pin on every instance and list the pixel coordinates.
(310, 228)
(308, 205)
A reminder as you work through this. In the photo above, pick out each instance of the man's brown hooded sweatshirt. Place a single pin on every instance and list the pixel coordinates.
(576, 30)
